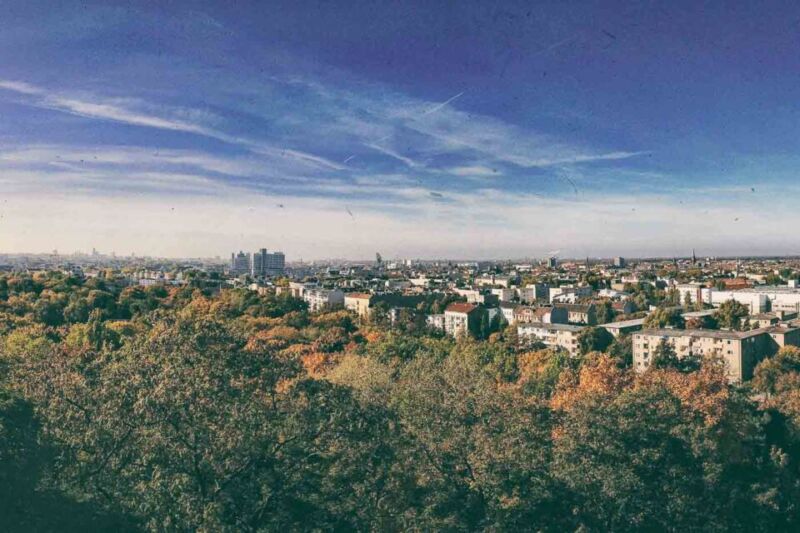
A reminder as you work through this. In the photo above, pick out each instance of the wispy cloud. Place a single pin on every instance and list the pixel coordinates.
(123, 111)
(391, 153)
(473, 171)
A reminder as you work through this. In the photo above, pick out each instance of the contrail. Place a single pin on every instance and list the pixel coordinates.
(375, 146)
(559, 44)
(436, 108)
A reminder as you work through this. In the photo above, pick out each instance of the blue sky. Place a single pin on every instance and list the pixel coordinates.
(429, 129)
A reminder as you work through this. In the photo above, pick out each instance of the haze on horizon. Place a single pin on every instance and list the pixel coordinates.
(427, 130)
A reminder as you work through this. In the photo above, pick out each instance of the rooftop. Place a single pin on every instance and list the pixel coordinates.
(624, 323)
(359, 295)
(708, 333)
(554, 327)
(460, 307)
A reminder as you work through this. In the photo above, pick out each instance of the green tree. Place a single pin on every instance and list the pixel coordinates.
(621, 350)
(187, 429)
(730, 315)
(605, 312)
(594, 339)
(665, 356)
(665, 317)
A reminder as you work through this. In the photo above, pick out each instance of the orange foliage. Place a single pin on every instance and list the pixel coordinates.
(531, 363)
(373, 336)
(317, 364)
(599, 376)
(704, 393)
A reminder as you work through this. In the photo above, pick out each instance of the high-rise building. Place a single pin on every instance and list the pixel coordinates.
(619, 262)
(240, 263)
(267, 264)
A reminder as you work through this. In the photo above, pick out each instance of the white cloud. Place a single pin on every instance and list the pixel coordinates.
(473, 171)
(123, 111)
(19, 87)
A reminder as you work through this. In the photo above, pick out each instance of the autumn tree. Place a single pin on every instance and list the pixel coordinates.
(665, 317)
(185, 428)
(729, 315)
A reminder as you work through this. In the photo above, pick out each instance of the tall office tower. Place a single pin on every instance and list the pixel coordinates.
(240, 263)
(264, 263)
(274, 264)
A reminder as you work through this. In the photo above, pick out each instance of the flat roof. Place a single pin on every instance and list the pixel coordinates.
(705, 333)
(624, 323)
(558, 327)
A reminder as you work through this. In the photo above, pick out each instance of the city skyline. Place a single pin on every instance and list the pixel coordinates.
(456, 130)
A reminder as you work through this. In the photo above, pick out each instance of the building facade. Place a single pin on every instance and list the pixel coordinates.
(460, 319)
(741, 351)
(320, 299)
(266, 264)
(564, 336)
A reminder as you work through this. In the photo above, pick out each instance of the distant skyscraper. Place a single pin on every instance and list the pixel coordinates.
(240, 263)
(259, 264)
(619, 262)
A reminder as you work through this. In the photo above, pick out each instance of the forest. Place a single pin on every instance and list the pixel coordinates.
(185, 409)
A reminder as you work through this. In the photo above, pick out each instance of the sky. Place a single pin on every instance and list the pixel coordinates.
(461, 129)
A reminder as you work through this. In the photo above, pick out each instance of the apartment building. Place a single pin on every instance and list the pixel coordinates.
(692, 291)
(508, 309)
(564, 336)
(240, 263)
(740, 350)
(265, 263)
(580, 314)
(536, 292)
(460, 319)
(493, 280)
(503, 294)
(319, 299)
(359, 303)
(546, 315)
(569, 293)
(295, 289)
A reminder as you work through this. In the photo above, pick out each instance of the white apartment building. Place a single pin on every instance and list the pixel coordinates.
(459, 318)
(508, 308)
(319, 299)
(552, 335)
(488, 280)
(569, 293)
(693, 290)
(504, 294)
(295, 289)
(359, 303)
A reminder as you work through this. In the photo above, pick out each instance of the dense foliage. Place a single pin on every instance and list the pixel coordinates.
(177, 409)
